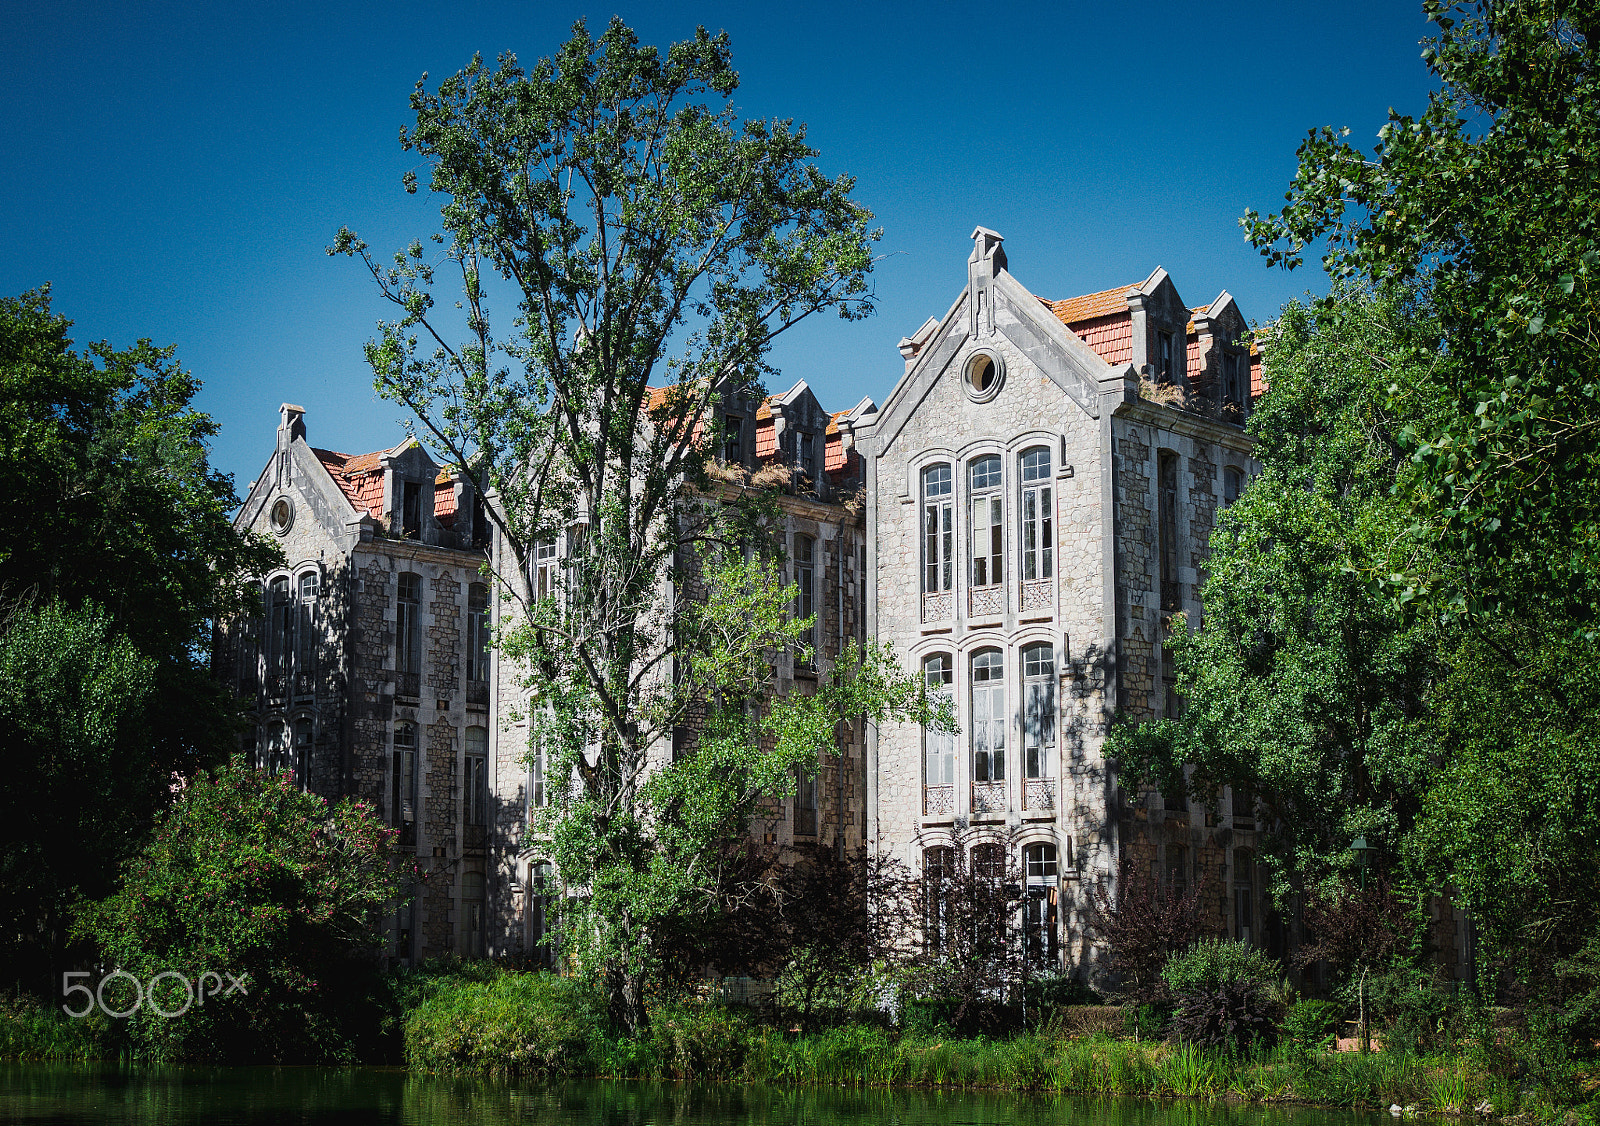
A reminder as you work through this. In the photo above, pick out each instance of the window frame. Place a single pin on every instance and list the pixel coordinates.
(805, 598)
(1039, 709)
(475, 777)
(478, 633)
(1036, 514)
(403, 775)
(938, 528)
(408, 623)
(987, 561)
(988, 729)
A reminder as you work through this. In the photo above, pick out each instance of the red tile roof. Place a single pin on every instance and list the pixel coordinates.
(1102, 304)
(359, 477)
(1111, 337)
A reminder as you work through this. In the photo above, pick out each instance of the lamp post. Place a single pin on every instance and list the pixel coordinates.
(1362, 851)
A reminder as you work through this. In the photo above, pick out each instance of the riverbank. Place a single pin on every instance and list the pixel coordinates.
(530, 1026)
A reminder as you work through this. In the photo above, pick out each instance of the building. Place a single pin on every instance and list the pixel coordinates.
(1035, 525)
(369, 676)
(1022, 519)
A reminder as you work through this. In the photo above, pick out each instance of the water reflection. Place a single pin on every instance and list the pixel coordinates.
(248, 1096)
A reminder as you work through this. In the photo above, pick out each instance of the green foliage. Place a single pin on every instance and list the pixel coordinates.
(76, 706)
(1233, 1014)
(1311, 1023)
(1210, 963)
(1487, 203)
(644, 233)
(246, 876)
(534, 1024)
(31, 1030)
(116, 533)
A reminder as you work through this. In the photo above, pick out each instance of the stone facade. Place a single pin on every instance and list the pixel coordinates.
(370, 672)
(1010, 432)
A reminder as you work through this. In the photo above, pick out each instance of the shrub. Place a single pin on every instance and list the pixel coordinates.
(1309, 1023)
(521, 1023)
(699, 1041)
(249, 877)
(1233, 1014)
(1089, 1020)
(1210, 963)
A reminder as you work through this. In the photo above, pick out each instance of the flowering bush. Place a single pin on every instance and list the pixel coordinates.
(249, 879)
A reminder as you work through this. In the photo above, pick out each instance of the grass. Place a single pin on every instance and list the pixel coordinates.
(30, 1031)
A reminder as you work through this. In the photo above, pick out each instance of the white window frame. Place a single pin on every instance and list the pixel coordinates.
(1039, 709)
(938, 528)
(1037, 514)
(989, 716)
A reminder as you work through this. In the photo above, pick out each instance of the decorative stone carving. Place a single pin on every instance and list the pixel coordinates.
(938, 607)
(1036, 595)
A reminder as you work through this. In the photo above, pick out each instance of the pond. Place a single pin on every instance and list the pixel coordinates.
(247, 1096)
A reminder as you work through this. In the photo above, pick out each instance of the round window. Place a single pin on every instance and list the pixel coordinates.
(282, 515)
(983, 376)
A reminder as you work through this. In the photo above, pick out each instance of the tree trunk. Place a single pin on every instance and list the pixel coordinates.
(625, 1000)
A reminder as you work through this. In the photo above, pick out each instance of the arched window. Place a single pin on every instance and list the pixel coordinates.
(988, 522)
(805, 597)
(478, 635)
(472, 914)
(1232, 484)
(938, 530)
(939, 747)
(1038, 709)
(408, 635)
(989, 861)
(475, 790)
(304, 731)
(1039, 907)
(403, 782)
(1038, 516)
(938, 876)
(988, 716)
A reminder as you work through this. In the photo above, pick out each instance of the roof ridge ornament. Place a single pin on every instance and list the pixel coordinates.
(988, 258)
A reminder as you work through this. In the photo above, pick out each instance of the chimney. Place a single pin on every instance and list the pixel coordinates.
(291, 424)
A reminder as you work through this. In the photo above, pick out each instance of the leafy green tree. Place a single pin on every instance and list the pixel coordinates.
(640, 232)
(75, 706)
(251, 880)
(1489, 204)
(116, 536)
(1306, 684)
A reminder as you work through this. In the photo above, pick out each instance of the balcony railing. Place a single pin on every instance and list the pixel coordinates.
(478, 692)
(1171, 595)
(1037, 595)
(988, 798)
(277, 685)
(938, 607)
(474, 836)
(805, 822)
(938, 801)
(986, 601)
(408, 684)
(305, 684)
(1039, 795)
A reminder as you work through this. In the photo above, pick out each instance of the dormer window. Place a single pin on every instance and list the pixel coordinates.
(411, 510)
(1230, 378)
(733, 440)
(1163, 357)
(808, 451)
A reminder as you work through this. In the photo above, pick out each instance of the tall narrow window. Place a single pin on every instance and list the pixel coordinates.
(988, 717)
(1171, 589)
(541, 914)
(307, 632)
(303, 743)
(1164, 367)
(1232, 484)
(544, 567)
(280, 635)
(411, 510)
(1244, 888)
(988, 523)
(1039, 908)
(403, 783)
(808, 452)
(472, 914)
(805, 597)
(1244, 808)
(275, 750)
(538, 793)
(732, 440)
(938, 872)
(408, 635)
(938, 676)
(1038, 513)
(1039, 709)
(805, 802)
(478, 637)
(938, 530)
(475, 789)
(1177, 871)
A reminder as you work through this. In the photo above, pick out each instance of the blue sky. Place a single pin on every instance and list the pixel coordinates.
(175, 170)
